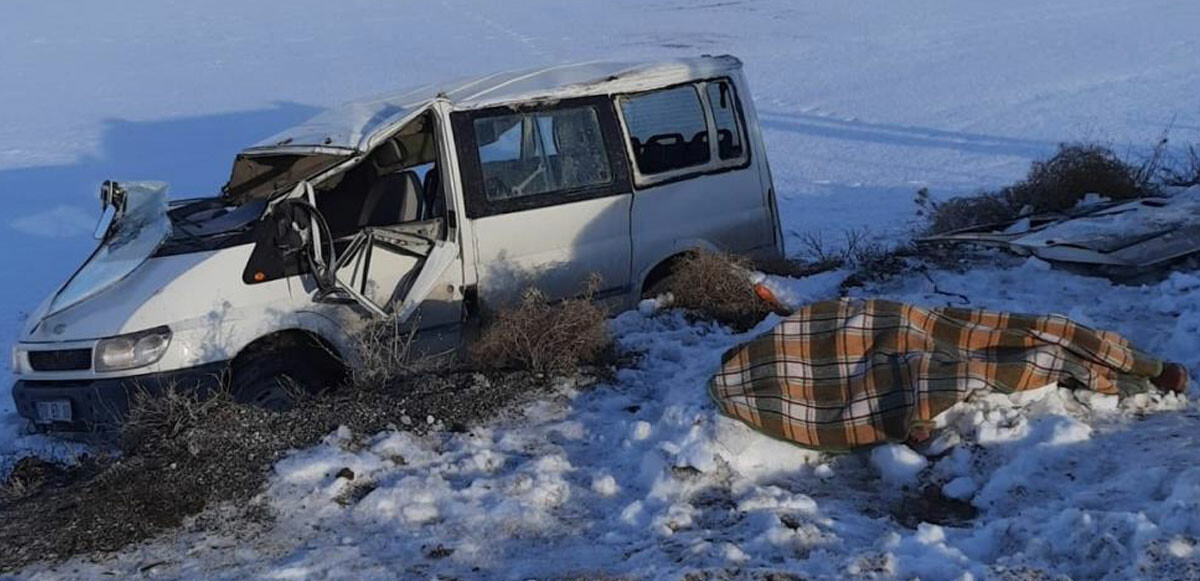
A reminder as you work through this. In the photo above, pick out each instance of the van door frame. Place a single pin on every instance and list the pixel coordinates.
(472, 201)
(446, 165)
(475, 200)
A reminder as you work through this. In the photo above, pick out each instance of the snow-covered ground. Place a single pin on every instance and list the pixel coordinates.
(643, 478)
(861, 102)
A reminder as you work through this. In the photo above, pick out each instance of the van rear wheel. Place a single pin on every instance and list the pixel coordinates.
(275, 378)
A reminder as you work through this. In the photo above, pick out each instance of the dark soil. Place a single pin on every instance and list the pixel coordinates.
(931, 506)
(203, 454)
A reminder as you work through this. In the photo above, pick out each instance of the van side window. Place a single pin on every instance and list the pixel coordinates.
(526, 154)
(724, 104)
(667, 129)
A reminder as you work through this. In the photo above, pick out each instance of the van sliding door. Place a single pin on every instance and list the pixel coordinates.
(692, 171)
(549, 197)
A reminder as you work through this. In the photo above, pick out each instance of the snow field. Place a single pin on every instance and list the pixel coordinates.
(861, 104)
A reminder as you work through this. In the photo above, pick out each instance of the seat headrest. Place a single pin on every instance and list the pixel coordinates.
(388, 155)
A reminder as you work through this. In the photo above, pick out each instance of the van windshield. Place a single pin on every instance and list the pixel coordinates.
(131, 239)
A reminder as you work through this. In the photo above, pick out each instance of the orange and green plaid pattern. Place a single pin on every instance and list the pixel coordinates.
(838, 375)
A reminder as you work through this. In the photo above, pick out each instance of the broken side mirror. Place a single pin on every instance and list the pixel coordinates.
(112, 206)
(287, 240)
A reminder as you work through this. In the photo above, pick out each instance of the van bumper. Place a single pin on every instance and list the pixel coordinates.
(100, 404)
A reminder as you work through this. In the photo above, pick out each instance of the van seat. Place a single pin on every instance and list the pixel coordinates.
(393, 199)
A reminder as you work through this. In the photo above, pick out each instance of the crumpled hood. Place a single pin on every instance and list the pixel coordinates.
(132, 304)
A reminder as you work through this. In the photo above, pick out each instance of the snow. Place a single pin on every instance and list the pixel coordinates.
(897, 464)
(862, 103)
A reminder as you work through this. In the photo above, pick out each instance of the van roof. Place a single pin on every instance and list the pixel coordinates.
(352, 125)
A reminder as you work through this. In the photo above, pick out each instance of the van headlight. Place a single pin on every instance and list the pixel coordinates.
(132, 350)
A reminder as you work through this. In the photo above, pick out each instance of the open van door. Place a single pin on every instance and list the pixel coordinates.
(379, 238)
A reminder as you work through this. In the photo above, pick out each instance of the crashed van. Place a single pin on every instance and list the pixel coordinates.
(429, 207)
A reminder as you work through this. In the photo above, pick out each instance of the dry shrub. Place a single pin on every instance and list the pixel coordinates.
(1059, 183)
(386, 352)
(1184, 172)
(717, 286)
(165, 416)
(1054, 185)
(544, 337)
(964, 212)
(28, 475)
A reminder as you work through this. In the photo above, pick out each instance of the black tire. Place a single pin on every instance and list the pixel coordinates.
(657, 287)
(659, 280)
(276, 376)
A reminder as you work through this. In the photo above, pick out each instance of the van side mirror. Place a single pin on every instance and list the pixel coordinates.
(291, 228)
(112, 206)
(282, 244)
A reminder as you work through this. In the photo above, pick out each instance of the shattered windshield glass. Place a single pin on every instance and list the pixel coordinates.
(132, 239)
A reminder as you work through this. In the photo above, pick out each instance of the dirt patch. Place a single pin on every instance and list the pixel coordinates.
(931, 506)
(183, 456)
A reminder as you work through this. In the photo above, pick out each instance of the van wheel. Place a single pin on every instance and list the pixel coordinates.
(275, 379)
(658, 281)
(658, 287)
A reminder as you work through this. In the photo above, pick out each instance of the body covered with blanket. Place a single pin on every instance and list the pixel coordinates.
(843, 374)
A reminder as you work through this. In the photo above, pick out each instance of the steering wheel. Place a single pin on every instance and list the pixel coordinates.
(307, 233)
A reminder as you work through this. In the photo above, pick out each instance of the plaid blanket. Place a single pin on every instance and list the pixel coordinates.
(842, 374)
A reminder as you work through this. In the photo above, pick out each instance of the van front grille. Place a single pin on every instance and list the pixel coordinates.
(61, 360)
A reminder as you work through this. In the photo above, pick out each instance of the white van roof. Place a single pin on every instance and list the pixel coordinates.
(350, 126)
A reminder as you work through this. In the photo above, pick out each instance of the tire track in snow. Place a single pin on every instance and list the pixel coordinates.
(525, 41)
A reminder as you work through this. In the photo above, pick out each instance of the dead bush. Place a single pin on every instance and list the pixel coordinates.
(386, 351)
(1053, 185)
(155, 418)
(964, 212)
(1183, 172)
(1059, 183)
(544, 337)
(717, 286)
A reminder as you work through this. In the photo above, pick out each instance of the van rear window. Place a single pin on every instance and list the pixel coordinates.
(723, 101)
(527, 154)
(667, 129)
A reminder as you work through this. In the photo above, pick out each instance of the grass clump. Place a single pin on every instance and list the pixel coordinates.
(544, 337)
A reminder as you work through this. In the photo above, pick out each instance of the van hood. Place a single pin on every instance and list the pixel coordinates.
(138, 226)
(133, 303)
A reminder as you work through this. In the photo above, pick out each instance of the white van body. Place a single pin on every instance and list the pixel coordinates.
(428, 206)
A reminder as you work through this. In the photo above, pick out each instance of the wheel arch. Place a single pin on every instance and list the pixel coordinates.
(290, 338)
(657, 270)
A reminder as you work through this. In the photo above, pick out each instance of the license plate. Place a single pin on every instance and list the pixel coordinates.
(55, 410)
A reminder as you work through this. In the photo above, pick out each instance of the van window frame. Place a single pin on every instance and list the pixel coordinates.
(715, 164)
(471, 170)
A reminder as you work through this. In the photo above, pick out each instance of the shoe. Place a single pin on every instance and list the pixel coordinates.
(1174, 377)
